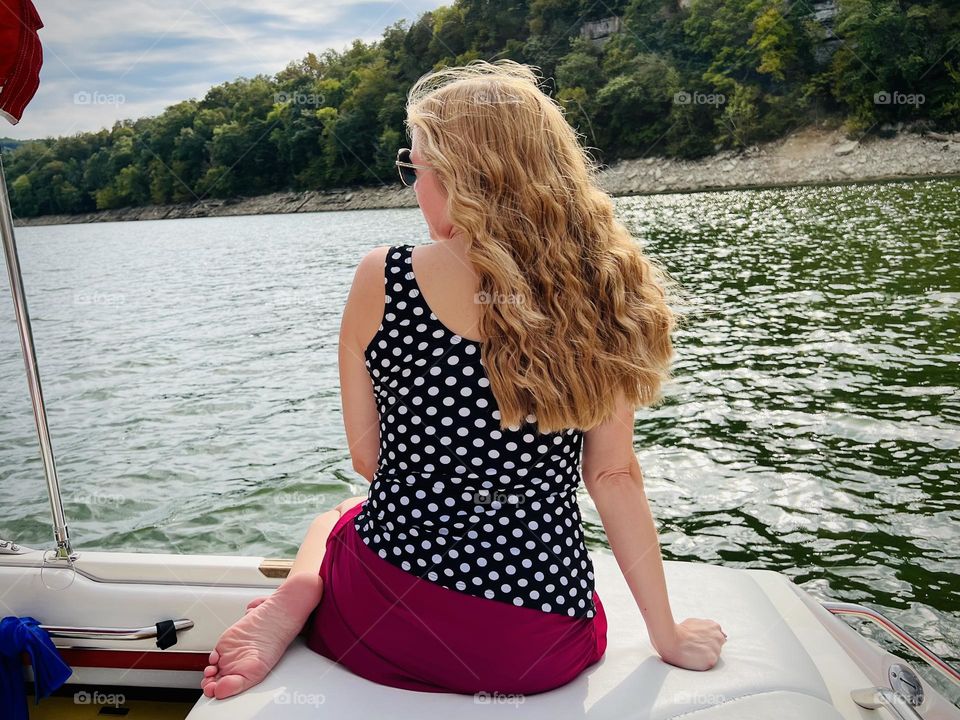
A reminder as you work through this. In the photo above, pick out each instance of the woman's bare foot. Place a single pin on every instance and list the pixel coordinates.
(249, 649)
(255, 602)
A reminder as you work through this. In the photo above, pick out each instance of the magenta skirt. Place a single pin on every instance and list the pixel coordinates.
(389, 626)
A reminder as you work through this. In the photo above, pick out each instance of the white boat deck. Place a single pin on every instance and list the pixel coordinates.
(779, 662)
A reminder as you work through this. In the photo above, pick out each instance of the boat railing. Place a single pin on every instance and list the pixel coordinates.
(107, 633)
(61, 534)
(898, 633)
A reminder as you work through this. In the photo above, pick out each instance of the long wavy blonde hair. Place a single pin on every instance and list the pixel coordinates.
(573, 310)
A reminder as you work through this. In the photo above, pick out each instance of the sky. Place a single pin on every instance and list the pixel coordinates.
(105, 60)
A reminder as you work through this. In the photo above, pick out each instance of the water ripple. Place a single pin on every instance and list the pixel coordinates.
(190, 372)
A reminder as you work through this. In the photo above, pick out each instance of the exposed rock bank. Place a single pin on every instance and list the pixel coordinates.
(810, 156)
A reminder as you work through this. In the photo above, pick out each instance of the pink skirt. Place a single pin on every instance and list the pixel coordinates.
(389, 626)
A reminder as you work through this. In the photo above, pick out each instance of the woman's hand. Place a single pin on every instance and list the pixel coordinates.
(695, 646)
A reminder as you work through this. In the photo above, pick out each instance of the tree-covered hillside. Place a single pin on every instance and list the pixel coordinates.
(678, 78)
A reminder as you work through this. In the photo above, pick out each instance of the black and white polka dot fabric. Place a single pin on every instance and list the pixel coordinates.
(454, 500)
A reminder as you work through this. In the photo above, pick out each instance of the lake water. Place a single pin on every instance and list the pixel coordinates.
(190, 374)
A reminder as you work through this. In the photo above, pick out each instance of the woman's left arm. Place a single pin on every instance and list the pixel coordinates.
(361, 318)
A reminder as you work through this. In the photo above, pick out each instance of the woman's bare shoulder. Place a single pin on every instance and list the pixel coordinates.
(365, 304)
(372, 265)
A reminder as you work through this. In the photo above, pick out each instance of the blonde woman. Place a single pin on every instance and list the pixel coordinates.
(483, 376)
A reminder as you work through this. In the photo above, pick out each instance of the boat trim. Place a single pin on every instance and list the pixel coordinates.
(132, 581)
(898, 633)
(275, 567)
(136, 660)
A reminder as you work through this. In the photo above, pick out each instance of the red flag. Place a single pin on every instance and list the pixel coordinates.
(20, 57)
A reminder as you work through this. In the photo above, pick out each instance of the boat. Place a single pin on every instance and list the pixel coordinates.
(136, 630)
(788, 656)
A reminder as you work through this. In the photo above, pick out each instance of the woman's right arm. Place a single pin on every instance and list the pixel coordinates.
(611, 473)
(358, 326)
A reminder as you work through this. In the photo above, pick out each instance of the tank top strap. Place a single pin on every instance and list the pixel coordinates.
(403, 302)
(398, 266)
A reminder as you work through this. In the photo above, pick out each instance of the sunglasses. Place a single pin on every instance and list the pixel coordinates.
(407, 169)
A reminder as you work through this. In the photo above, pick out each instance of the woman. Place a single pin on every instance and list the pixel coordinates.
(476, 371)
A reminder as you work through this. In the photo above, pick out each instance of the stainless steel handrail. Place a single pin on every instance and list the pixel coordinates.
(61, 535)
(102, 633)
(905, 638)
(876, 697)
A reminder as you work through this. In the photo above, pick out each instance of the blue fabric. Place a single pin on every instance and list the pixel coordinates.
(18, 635)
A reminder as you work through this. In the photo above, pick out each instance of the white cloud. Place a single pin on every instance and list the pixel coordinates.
(136, 58)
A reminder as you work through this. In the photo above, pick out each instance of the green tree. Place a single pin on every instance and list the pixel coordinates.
(335, 118)
(894, 60)
(632, 110)
(23, 197)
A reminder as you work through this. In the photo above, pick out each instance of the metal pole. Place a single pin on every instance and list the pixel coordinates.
(64, 551)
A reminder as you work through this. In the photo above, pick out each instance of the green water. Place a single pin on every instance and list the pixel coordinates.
(812, 427)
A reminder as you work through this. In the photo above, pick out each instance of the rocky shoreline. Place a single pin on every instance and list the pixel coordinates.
(810, 156)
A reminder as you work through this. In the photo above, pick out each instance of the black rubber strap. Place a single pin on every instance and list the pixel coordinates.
(166, 634)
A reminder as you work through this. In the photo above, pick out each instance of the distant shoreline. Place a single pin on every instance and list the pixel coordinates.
(812, 156)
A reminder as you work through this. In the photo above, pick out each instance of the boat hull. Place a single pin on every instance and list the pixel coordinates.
(786, 656)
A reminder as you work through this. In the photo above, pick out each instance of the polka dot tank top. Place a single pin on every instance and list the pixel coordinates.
(455, 500)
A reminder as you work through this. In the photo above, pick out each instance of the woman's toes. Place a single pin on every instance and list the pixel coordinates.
(230, 685)
(252, 646)
(255, 602)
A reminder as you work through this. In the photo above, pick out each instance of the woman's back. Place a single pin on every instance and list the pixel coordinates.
(455, 500)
